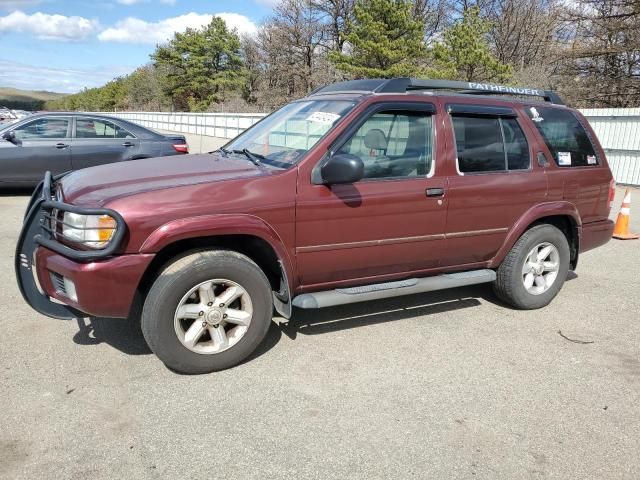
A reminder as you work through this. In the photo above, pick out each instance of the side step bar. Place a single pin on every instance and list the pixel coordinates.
(342, 296)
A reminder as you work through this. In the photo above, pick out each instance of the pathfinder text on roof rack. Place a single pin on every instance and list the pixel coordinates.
(404, 85)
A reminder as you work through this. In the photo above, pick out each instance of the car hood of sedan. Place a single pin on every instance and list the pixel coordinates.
(96, 186)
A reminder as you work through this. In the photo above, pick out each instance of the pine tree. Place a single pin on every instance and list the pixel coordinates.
(201, 64)
(384, 40)
(464, 54)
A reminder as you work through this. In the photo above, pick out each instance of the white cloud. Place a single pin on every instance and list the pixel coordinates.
(135, 30)
(71, 80)
(52, 27)
(133, 2)
(269, 3)
(15, 4)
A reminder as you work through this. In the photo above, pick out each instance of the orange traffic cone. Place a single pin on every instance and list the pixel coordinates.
(621, 230)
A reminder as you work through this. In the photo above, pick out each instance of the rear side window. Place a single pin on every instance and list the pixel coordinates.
(93, 128)
(565, 136)
(490, 144)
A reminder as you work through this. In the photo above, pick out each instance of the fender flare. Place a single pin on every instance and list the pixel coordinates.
(542, 210)
(219, 225)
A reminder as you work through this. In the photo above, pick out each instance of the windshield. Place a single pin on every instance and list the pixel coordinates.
(282, 138)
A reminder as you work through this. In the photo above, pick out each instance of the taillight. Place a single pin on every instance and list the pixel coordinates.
(181, 147)
(612, 192)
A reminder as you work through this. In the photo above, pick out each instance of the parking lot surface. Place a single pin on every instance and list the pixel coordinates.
(448, 385)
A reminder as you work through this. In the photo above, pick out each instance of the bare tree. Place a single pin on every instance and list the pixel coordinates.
(601, 60)
(523, 31)
(335, 15)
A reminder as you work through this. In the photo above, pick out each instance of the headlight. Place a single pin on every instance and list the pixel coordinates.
(94, 231)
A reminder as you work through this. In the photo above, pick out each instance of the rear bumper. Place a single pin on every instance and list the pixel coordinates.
(595, 234)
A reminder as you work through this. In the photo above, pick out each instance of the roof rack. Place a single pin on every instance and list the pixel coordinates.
(403, 85)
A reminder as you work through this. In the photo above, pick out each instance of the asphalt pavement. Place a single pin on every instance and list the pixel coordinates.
(447, 385)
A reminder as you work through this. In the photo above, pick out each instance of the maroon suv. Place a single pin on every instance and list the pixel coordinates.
(363, 190)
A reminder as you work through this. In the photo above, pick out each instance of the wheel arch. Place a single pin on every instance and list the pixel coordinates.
(562, 215)
(245, 234)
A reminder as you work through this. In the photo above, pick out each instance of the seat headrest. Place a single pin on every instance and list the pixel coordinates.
(375, 139)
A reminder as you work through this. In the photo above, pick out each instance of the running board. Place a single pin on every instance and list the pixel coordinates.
(343, 296)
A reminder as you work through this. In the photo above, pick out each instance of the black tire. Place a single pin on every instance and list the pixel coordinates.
(175, 281)
(509, 285)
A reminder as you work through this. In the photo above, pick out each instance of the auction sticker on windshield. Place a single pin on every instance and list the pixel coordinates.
(326, 118)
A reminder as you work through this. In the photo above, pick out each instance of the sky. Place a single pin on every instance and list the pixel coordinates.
(66, 45)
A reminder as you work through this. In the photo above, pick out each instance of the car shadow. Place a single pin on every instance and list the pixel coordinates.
(16, 191)
(345, 317)
(122, 334)
(126, 336)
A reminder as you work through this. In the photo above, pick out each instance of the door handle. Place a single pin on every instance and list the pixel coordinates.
(542, 160)
(127, 144)
(61, 145)
(434, 192)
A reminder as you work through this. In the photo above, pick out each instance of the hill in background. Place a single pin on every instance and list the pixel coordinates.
(26, 99)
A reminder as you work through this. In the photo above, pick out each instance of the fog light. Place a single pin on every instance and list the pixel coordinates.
(70, 289)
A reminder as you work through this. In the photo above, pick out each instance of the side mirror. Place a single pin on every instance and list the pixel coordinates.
(11, 137)
(342, 168)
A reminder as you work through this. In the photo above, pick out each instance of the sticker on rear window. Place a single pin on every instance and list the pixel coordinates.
(564, 158)
(535, 116)
(591, 160)
(325, 118)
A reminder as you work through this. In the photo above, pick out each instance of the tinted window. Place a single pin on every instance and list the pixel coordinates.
(486, 144)
(479, 144)
(93, 128)
(564, 135)
(394, 144)
(516, 145)
(43, 128)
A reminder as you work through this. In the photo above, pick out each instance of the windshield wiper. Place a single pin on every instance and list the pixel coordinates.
(254, 157)
(224, 151)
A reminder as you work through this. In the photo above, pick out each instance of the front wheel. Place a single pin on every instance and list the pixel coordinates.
(207, 311)
(535, 269)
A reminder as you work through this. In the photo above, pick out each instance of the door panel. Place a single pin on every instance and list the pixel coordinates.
(45, 146)
(486, 198)
(482, 209)
(99, 141)
(384, 224)
(368, 229)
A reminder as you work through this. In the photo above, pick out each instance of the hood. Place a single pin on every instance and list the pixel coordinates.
(96, 186)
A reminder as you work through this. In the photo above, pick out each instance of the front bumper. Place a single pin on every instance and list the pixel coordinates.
(104, 287)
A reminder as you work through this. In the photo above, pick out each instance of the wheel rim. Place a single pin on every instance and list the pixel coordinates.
(213, 316)
(540, 269)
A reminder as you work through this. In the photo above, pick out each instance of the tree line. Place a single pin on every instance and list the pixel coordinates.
(587, 50)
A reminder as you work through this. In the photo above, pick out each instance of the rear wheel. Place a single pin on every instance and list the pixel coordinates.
(207, 311)
(535, 269)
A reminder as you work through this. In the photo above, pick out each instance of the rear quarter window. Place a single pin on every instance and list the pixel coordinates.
(565, 136)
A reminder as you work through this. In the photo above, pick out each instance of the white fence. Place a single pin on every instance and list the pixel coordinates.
(221, 125)
(617, 128)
